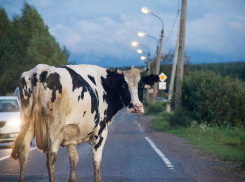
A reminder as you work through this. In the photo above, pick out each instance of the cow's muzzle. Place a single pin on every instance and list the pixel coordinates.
(136, 108)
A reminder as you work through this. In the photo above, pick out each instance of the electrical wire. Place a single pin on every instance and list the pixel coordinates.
(173, 24)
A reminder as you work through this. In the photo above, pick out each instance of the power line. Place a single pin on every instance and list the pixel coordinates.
(173, 24)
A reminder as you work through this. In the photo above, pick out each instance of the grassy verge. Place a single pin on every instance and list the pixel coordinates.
(226, 142)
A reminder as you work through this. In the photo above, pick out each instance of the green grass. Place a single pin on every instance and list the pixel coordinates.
(226, 142)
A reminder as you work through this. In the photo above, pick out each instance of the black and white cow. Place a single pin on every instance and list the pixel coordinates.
(69, 105)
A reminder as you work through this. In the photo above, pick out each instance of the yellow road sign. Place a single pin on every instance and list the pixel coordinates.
(162, 77)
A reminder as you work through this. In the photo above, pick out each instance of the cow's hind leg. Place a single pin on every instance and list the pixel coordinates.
(73, 158)
(98, 145)
(51, 157)
(24, 153)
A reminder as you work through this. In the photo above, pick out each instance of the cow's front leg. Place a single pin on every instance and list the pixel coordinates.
(98, 145)
(51, 157)
(73, 158)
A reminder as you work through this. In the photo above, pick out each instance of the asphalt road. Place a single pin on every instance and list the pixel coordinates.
(129, 155)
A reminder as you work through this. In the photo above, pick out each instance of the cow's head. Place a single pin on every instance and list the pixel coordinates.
(130, 84)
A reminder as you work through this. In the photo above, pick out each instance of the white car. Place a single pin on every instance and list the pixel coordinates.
(9, 118)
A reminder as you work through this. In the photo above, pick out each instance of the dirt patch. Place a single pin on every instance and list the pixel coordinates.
(201, 166)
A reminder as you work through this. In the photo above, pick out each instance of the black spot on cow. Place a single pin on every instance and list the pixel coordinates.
(43, 76)
(83, 91)
(35, 80)
(130, 106)
(92, 79)
(99, 143)
(90, 133)
(79, 97)
(53, 83)
(51, 109)
(84, 113)
(103, 123)
(27, 93)
(141, 85)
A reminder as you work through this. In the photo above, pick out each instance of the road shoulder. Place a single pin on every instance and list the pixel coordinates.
(199, 165)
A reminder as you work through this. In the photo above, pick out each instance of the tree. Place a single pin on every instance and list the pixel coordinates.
(24, 43)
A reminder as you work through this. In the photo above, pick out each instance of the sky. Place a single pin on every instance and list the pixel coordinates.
(100, 32)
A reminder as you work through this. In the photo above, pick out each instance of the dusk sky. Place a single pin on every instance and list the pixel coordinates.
(100, 32)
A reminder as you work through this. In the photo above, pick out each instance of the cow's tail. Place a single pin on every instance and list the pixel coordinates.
(32, 115)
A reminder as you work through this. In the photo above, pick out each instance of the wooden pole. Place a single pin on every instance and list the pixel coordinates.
(147, 89)
(168, 108)
(180, 66)
(158, 62)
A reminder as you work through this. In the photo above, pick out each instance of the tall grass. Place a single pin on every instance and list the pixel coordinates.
(225, 141)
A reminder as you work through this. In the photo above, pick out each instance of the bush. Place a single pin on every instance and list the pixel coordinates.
(215, 99)
(179, 118)
(155, 109)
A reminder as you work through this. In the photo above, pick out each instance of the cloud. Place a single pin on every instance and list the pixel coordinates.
(214, 33)
(102, 31)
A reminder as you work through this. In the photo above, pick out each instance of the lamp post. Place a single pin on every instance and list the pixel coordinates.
(149, 65)
(145, 10)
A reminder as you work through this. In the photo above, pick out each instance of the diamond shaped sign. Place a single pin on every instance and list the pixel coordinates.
(162, 77)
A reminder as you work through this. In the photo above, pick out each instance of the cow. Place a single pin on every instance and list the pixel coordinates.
(69, 105)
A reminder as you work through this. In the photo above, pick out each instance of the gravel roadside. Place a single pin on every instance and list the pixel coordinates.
(200, 166)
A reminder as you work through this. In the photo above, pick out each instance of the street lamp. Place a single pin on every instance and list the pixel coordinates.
(142, 34)
(145, 10)
(136, 44)
(139, 51)
(142, 57)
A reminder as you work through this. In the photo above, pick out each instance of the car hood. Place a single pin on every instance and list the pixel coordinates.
(7, 116)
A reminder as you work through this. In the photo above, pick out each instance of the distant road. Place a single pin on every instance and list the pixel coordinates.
(129, 155)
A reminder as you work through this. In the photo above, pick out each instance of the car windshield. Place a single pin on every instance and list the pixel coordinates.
(9, 105)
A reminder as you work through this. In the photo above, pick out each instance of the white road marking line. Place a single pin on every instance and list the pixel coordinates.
(139, 126)
(165, 159)
(2, 158)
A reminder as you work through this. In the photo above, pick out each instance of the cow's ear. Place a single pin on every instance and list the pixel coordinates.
(112, 82)
(151, 79)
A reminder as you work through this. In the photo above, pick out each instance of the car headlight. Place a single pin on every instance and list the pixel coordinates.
(14, 122)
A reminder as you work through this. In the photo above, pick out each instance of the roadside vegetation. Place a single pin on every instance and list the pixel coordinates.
(212, 115)
(25, 41)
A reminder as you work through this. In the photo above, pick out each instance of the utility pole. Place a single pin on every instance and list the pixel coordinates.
(180, 66)
(147, 89)
(168, 108)
(158, 62)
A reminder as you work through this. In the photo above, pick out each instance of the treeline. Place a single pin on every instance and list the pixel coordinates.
(25, 42)
(236, 70)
